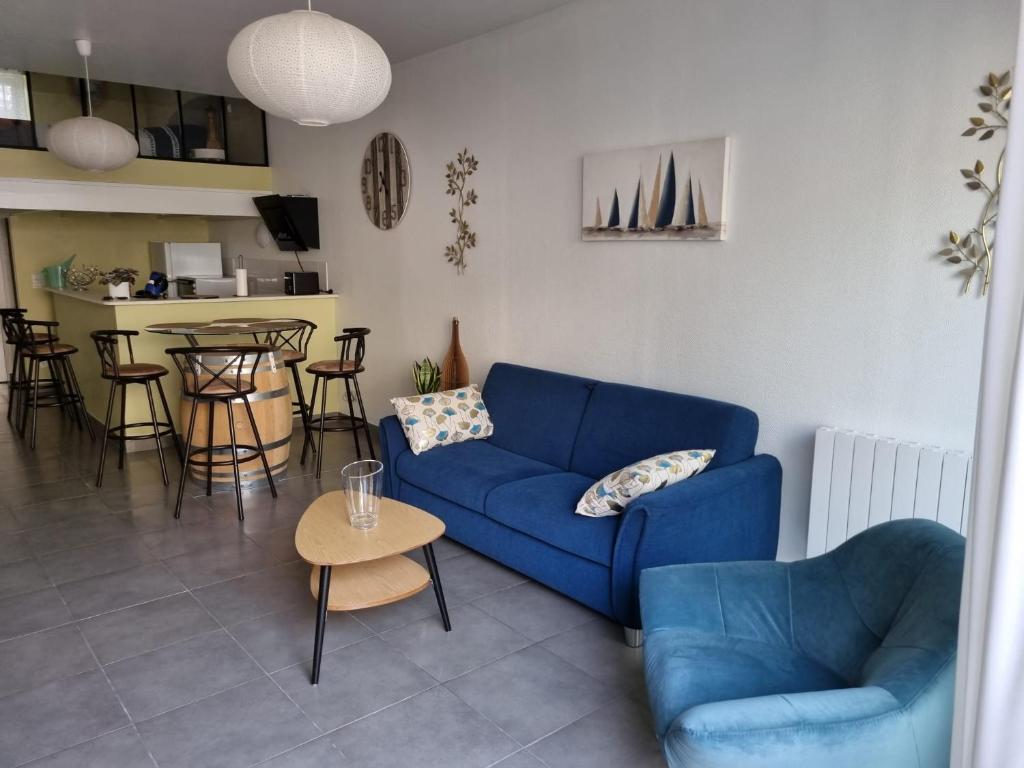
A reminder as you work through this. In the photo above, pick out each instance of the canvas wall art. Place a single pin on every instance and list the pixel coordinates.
(668, 192)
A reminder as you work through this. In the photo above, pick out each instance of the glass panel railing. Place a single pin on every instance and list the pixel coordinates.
(159, 123)
(113, 102)
(245, 133)
(170, 125)
(54, 98)
(204, 127)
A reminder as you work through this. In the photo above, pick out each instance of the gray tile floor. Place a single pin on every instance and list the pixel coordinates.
(128, 639)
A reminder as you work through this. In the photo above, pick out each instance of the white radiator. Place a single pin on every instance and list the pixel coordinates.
(859, 480)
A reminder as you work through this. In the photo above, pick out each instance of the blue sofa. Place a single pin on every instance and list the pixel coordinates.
(843, 661)
(512, 497)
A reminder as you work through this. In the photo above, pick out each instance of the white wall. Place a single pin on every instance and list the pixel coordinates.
(238, 236)
(824, 306)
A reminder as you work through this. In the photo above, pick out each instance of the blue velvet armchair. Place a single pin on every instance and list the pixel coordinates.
(842, 661)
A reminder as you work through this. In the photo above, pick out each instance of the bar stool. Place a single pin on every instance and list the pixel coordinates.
(349, 364)
(231, 378)
(122, 375)
(38, 344)
(16, 375)
(7, 316)
(293, 346)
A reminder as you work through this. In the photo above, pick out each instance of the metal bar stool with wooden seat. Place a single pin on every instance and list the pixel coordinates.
(293, 346)
(352, 350)
(122, 375)
(16, 377)
(220, 376)
(39, 345)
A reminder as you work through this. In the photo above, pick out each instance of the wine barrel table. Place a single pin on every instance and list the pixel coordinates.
(271, 402)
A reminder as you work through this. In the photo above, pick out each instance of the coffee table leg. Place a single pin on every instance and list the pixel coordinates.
(428, 553)
(321, 620)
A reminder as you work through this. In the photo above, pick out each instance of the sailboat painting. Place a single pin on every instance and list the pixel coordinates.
(678, 192)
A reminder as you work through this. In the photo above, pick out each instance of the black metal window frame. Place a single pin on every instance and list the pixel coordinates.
(135, 119)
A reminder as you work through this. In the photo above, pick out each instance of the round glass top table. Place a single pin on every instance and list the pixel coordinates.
(232, 326)
(271, 402)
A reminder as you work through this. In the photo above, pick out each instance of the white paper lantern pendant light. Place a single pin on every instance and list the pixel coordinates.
(91, 143)
(309, 67)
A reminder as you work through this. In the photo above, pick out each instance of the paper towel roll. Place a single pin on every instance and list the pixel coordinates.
(241, 282)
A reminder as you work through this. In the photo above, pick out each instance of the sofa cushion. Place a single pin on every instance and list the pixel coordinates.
(544, 508)
(443, 418)
(466, 472)
(536, 413)
(685, 669)
(624, 424)
(612, 493)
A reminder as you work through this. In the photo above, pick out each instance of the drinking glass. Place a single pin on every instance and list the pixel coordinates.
(363, 483)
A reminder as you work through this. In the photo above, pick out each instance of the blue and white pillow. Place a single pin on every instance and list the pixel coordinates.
(443, 418)
(612, 493)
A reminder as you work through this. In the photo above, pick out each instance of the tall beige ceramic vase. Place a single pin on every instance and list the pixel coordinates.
(454, 369)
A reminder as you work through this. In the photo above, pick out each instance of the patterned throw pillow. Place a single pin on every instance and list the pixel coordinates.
(610, 495)
(443, 418)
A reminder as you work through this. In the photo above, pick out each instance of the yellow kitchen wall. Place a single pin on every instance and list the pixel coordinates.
(106, 240)
(38, 164)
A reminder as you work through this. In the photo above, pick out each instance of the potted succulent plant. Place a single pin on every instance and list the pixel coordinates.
(119, 282)
(427, 376)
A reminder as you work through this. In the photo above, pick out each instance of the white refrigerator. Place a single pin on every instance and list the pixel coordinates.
(185, 260)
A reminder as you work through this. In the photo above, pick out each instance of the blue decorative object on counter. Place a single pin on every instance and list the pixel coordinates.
(156, 286)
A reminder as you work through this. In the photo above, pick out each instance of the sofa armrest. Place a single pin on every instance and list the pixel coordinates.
(726, 514)
(392, 445)
(843, 728)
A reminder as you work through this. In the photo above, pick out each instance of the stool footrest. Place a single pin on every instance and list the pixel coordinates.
(341, 422)
(119, 432)
(227, 462)
(53, 400)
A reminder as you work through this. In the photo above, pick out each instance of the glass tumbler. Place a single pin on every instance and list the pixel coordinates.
(363, 482)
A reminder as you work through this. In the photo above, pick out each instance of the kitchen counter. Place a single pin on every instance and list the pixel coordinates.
(81, 312)
(97, 297)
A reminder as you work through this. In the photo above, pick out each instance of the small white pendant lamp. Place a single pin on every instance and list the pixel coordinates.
(309, 67)
(91, 143)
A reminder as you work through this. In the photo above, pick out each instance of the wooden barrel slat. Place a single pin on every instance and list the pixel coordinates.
(272, 410)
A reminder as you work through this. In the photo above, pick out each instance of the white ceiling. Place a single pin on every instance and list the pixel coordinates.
(181, 44)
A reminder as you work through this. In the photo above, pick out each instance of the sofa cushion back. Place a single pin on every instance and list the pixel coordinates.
(624, 424)
(536, 413)
(914, 569)
(883, 608)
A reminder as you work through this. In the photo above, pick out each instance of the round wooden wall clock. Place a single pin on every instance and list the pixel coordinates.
(386, 181)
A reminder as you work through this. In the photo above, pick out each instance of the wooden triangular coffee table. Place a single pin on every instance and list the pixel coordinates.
(354, 568)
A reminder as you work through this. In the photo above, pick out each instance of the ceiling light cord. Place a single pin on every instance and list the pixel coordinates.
(88, 87)
(87, 142)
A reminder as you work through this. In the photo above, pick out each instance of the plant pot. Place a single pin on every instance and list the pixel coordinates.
(120, 291)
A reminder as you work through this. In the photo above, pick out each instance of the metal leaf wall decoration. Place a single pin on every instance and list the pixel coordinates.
(975, 248)
(456, 174)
